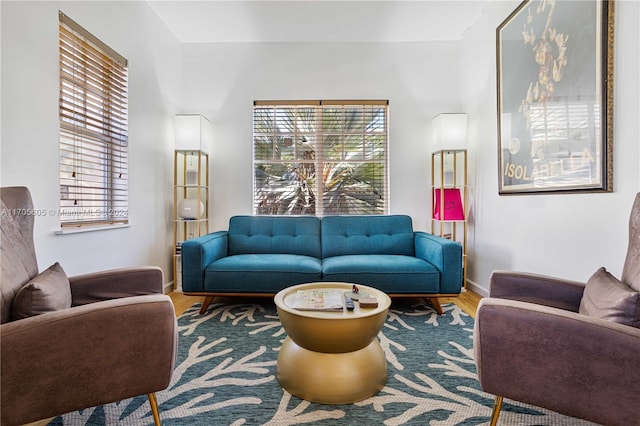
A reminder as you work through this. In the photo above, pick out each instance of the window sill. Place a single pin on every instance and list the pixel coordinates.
(79, 229)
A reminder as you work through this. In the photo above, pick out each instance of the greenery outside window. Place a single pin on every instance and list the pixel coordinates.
(320, 157)
(93, 110)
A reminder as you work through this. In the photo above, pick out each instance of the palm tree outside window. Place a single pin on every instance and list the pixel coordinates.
(320, 157)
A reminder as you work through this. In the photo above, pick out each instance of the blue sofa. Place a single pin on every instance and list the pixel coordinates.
(261, 255)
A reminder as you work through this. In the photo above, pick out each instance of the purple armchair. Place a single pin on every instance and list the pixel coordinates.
(532, 345)
(117, 339)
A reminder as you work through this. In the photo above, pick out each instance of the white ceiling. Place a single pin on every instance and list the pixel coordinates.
(317, 21)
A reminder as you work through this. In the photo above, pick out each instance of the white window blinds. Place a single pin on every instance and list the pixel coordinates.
(320, 157)
(93, 130)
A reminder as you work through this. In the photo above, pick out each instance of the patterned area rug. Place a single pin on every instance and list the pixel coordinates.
(225, 375)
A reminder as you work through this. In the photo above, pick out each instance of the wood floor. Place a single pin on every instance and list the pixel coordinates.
(467, 301)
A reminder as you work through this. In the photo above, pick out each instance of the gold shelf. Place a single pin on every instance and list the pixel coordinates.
(188, 166)
(451, 174)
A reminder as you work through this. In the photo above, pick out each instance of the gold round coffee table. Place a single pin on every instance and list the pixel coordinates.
(331, 357)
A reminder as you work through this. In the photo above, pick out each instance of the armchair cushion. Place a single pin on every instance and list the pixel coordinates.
(607, 298)
(46, 292)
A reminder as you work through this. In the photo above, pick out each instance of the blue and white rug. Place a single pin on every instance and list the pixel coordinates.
(225, 375)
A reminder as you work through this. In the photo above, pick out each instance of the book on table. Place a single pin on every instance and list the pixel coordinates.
(318, 300)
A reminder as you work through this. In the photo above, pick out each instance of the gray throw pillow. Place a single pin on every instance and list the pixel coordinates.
(608, 298)
(47, 292)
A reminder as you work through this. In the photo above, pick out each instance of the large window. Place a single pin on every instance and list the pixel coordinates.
(93, 130)
(320, 157)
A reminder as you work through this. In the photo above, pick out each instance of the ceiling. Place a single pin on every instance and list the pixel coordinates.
(317, 21)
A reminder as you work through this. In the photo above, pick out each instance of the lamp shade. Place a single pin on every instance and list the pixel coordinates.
(449, 131)
(193, 133)
(452, 208)
(190, 208)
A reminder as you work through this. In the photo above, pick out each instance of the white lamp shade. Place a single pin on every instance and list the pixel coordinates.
(190, 208)
(449, 131)
(193, 133)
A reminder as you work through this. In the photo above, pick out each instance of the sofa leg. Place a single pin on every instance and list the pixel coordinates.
(497, 406)
(435, 303)
(205, 304)
(154, 408)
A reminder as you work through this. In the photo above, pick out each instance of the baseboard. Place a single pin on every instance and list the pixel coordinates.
(168, 287)
(476, 288)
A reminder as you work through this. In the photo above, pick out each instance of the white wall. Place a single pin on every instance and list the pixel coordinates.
(29, 150)
(562, 235)
(222, 80)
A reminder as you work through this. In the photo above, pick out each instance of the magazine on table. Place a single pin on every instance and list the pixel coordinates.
(319, 300)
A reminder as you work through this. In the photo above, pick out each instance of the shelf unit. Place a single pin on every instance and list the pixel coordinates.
(191, 183)
(449, 209)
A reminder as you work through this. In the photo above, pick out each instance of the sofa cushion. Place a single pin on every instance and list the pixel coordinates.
(267, 273)
(46, 292)
(274, 235)
(608, 298)
(394, 274)
(385, 234)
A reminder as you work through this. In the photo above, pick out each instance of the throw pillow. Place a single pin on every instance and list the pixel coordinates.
(608, 298)
(46, 292)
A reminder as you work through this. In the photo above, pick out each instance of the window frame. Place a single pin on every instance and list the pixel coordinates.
(368, 131)
(93, 133)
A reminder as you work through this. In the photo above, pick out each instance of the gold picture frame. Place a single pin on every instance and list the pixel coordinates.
(555, 97)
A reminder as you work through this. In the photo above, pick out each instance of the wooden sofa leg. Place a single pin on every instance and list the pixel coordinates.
(497, 406)
(154, 408)
(435, 303)
(205, 304)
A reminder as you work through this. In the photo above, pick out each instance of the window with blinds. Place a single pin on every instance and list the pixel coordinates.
(93, 130)
(320, 157)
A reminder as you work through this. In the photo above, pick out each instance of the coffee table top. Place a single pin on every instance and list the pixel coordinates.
(285, 300)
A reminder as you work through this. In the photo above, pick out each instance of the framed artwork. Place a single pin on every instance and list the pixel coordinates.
(555, 97)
